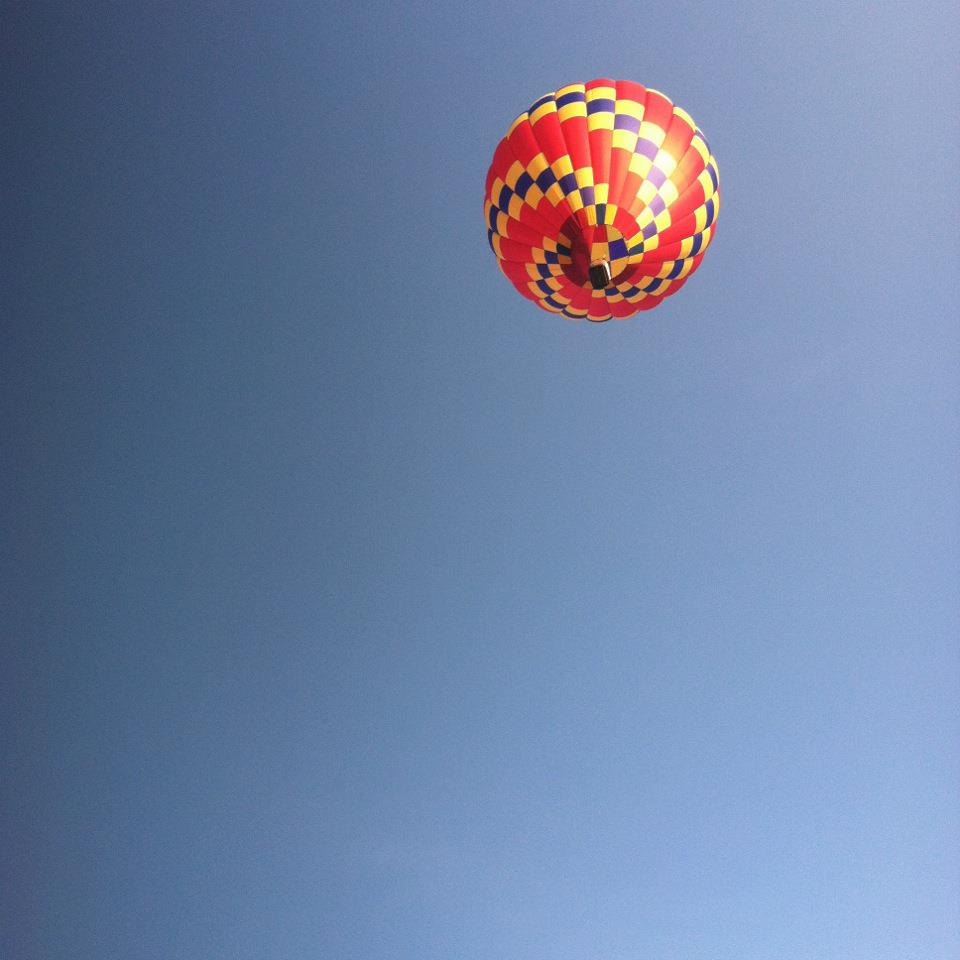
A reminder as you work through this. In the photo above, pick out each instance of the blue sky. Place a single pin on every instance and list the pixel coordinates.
(354, 608)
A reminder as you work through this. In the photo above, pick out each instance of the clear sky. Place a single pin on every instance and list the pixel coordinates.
(354, 608)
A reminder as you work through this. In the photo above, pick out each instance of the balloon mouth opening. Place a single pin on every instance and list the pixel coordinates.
(600, 275)
(594, 257)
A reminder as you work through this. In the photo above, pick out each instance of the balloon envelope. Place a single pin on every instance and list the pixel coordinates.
(601, 200)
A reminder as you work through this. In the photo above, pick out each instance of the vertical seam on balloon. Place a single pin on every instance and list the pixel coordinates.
(589, 152)
(543, 297)
(533, 131)
(593, 166)
(616, 196)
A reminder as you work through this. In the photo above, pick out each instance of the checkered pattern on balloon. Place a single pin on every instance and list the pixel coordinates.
(601, 200)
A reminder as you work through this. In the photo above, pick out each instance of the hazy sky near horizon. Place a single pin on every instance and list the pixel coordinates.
(354, 608)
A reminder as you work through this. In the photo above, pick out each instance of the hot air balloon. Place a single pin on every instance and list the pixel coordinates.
(601, 200)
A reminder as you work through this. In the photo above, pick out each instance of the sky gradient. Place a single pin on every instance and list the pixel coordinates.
(353, 608)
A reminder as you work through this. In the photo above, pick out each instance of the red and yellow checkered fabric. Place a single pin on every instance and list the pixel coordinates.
(602, 172)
